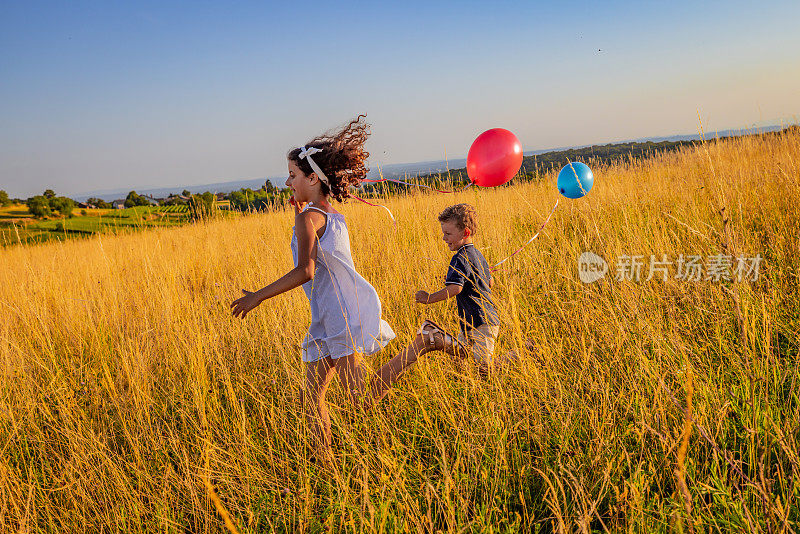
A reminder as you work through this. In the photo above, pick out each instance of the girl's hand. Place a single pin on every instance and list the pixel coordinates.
(298, 206)
(242, 306)
(306, 226)
(422, 297)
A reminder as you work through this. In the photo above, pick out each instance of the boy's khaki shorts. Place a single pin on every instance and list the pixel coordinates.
(480, 341)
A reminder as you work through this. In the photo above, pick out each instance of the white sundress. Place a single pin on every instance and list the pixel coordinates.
(345, 308)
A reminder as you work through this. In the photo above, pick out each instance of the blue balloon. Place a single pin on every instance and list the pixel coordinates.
(575, 180)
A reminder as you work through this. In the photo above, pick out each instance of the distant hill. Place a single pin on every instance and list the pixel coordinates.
(539, 162)
(395, 170)
(430, 168)
(543, 161)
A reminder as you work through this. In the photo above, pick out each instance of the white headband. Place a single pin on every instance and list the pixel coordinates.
(305, 153)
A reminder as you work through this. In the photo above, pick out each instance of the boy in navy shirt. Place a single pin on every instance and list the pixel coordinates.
(469, 279)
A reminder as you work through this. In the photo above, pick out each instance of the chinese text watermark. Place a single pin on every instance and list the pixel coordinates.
(687, 268)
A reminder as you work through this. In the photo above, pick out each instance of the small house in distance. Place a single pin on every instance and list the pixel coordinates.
(118, 204)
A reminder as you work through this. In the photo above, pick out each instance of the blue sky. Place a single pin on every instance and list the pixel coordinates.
(106, 95)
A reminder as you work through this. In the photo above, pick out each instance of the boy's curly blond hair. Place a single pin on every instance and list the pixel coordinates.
(463, 215)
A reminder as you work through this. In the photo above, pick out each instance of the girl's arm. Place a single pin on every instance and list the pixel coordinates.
(450, 290)
(306, 225)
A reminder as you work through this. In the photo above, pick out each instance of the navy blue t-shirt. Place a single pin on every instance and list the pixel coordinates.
(469, 269)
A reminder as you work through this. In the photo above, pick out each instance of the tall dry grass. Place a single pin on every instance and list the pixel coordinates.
(131, 399)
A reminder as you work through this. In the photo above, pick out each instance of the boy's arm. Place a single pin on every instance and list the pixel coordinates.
(453, 282)
(449, 291)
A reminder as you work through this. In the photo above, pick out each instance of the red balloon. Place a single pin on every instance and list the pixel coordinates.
(494, 157)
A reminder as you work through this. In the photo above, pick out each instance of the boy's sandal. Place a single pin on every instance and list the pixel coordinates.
(430, 328)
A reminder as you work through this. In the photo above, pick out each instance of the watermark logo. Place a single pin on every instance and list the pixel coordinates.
(685, 268)
(591, 267)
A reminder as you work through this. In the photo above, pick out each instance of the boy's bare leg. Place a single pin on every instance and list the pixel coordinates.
(318, 377)
(455, 349)
(453, 346)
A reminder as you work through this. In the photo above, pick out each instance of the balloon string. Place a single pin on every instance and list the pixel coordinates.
(577, 179)
(380, 172)
(496, 265)
(394, 221)
(409, 184)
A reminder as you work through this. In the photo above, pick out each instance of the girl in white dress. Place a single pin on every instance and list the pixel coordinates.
(345, 308)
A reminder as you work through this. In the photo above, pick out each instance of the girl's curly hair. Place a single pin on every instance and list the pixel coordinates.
(342, 158)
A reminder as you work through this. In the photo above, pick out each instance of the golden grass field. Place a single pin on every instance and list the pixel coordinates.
(132, 400)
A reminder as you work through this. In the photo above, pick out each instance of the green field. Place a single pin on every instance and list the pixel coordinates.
(17, 226)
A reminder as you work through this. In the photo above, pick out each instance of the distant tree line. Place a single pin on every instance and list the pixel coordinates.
(48, 203)
(597, 154)
(135, 199)
(533, 167)
(202, 206)
(268, 197)
(98, 203)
